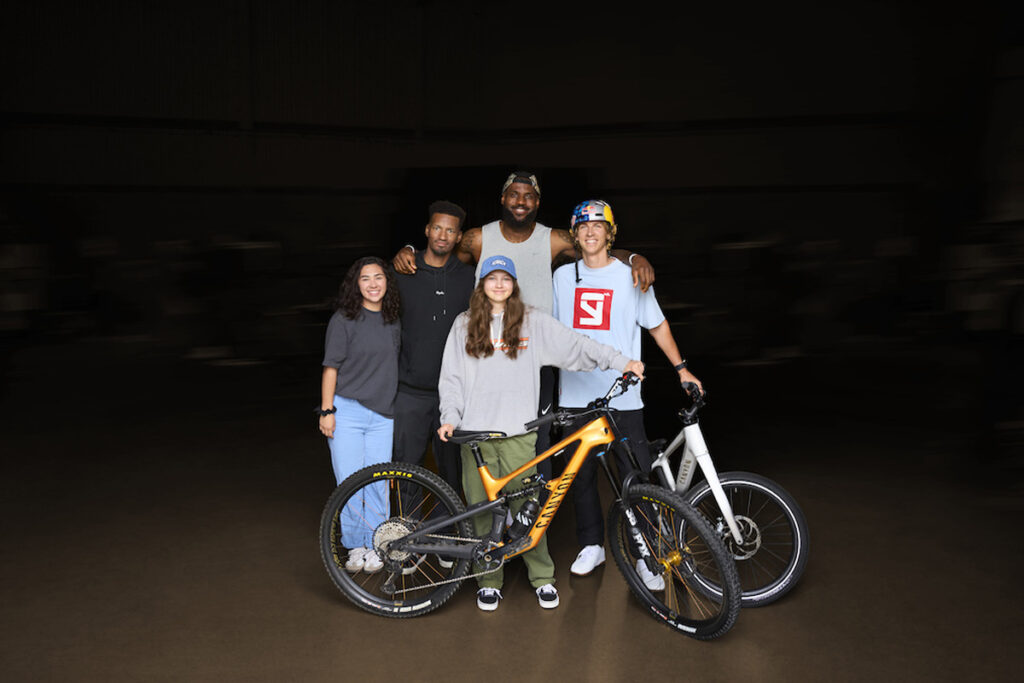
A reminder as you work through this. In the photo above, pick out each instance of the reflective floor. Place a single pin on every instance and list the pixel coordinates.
(160, 523)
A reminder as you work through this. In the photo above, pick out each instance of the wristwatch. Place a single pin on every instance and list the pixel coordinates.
(680, 366)
(322, 413)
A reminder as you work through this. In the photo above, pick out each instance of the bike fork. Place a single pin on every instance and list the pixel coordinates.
(695, 443)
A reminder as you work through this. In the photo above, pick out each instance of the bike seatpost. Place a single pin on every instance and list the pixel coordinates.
(477, 455)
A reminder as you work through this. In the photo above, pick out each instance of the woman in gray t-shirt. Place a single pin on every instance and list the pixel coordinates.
(357, 395)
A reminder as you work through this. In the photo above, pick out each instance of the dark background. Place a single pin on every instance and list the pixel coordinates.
(832, 198)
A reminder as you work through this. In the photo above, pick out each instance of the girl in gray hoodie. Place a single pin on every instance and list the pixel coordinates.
(490, 381)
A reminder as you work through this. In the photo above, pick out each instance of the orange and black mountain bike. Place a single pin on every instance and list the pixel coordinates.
(420, 529)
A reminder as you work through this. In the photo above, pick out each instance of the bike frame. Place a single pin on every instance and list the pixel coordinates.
(695, 450)
(598, 432)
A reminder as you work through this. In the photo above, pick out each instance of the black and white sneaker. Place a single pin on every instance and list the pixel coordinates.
(547, 596)
(487, 599)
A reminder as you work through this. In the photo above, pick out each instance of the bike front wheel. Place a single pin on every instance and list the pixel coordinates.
(659, 525)
(372, 509)
(773, 553)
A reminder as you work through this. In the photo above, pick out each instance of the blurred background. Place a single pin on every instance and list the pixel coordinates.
(193, 179)
(831, 194)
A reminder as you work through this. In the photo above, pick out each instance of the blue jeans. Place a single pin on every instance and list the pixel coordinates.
(361, 437)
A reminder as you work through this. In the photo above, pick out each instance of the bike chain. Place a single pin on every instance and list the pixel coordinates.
(461, 578)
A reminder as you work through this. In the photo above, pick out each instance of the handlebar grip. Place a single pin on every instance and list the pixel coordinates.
(541, 421)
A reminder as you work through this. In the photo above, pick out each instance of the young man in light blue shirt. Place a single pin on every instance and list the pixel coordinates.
(596, 296)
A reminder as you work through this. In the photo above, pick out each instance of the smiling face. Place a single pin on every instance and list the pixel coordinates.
(443, 233)
(373, 285)
(519, 204)
(592, 237)
(498, 287)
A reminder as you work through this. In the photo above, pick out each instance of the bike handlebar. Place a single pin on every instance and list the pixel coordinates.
(627, 380)
(689, 415)
(541, 421)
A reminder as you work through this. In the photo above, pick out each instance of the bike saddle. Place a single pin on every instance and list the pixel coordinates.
(460, 436)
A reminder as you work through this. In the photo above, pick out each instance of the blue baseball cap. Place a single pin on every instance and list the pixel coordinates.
(493, 263)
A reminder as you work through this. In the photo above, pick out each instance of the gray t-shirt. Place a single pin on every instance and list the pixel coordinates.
(365, 352)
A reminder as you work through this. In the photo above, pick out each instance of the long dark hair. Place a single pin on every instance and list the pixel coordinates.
(478, 329)
(350, 301)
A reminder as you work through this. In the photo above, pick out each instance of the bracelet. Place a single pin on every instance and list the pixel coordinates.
(680, 366)
(410, 247)
(324, 413)
(631, 257)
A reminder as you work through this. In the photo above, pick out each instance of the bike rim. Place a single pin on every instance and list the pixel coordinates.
(406, 582)
(768, 556)
(681, 555)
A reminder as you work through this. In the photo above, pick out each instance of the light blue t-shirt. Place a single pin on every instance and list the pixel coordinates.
(606, 307)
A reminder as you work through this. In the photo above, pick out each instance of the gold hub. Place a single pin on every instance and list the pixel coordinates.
(671, 560)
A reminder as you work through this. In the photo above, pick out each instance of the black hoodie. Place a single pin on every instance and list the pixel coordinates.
(431, 299)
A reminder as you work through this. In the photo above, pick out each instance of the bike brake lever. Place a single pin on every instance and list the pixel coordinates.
(694, 392)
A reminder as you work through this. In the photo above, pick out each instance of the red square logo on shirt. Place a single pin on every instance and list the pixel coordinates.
(593, 309)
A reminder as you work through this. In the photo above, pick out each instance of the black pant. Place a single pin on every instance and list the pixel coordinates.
(547, 403)
(417, 417)
(589, 515)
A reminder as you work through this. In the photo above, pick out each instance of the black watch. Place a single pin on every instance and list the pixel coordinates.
(681, 366)
(321, 412)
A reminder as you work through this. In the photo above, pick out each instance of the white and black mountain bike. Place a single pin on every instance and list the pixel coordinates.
(760, 523)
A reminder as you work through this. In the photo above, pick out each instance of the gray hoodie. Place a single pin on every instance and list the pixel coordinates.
(501, 394)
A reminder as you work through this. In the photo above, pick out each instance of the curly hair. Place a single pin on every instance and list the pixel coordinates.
(478, 328)
(350, 300)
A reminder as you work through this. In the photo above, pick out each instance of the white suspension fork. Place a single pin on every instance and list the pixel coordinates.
(695, 444)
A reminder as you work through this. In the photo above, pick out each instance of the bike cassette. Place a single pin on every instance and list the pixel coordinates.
(389, 531)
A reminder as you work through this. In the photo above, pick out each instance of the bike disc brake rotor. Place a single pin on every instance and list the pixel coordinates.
(751, 539)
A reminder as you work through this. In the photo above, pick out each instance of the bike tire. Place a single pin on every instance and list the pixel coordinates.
(776, 541)
(416, 580)
(684, 544)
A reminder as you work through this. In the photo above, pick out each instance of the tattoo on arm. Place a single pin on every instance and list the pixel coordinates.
(469, 247)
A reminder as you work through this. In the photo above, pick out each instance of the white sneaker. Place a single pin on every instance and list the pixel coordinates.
(356, 559)
(653, 581)
(590, 557)
(547, 596)
(411, 569)
(372, 562)
(487, 599)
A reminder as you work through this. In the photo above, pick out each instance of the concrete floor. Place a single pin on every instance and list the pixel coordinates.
(160, 521)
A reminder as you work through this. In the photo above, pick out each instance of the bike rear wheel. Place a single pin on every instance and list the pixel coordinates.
(376, 506)
(773, 554)
(683, 546)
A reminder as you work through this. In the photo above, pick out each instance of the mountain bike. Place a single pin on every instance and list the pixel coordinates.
(760, 523)
(425, 541)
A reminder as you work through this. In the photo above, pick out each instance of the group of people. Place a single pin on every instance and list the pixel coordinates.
(430, 345)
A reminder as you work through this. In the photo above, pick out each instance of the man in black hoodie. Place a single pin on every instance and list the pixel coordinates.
(431, 298)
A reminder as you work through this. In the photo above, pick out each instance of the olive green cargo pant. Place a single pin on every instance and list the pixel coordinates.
(503, 456)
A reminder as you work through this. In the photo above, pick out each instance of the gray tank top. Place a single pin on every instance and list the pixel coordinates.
(532, 259)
